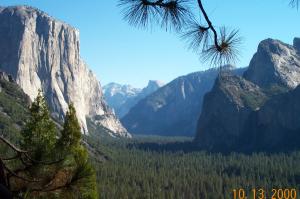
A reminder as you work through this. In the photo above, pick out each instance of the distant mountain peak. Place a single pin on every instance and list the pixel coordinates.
(173, 109)
(155, 83)
(113, 89)
(122, 97)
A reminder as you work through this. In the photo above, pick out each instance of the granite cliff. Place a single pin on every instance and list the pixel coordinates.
(259, 111)
(225, 110)
(275, 63)
(40, 52)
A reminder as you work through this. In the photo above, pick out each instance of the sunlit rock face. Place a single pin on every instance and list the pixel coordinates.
(275, 63)
(41, 52)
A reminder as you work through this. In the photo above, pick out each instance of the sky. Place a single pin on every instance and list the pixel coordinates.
(118, 52)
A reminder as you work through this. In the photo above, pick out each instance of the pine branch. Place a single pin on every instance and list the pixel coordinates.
(294, 3)
(176, 13)
(210, 26)
(169, 13)
(21, 152)
(12, 173)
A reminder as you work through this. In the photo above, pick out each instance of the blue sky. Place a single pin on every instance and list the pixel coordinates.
(120, 53)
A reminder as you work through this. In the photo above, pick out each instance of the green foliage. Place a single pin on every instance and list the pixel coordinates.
(252, 100)
(136, 171)
(83, 183)
(80, 154)
(75, 165)
(39, 134)
(71, 133)
(85, 180)
(13, 114)
(36, 131)
(13, 110)
(276, 89)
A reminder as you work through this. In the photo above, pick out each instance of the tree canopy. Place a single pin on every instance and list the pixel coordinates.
(39, 134)
(48, 164)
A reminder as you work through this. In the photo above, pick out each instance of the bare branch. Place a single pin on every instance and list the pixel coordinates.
(42, 162)
(17, 176)
(12, 158)
(13, 147)
(25, 153)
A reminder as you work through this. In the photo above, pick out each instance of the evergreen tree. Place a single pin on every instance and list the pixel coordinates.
(39, 134)
(71, 133)
(70, 144)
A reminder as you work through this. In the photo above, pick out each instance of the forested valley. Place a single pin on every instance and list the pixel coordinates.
(158, 167)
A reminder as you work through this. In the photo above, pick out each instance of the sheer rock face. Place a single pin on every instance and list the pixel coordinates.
(275, 63)
(225, 111)
(276, 126)
(43, 53)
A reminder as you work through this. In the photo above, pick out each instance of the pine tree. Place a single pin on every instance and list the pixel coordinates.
(71, 147)
(71, 133)
(39, 134)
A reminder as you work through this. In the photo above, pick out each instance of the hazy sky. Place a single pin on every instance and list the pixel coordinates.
(117, 52)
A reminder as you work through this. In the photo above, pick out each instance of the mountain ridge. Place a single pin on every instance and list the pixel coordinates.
(173, 109)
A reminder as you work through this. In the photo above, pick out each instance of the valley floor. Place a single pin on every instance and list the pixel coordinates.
(165, 168)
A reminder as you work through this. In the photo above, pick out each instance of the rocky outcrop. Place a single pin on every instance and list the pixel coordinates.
(275, 64)
(225, 111)
(260, 111)
(43, 53)
(173, 109)
(6, 77)
(276, 126)
(123, 97)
